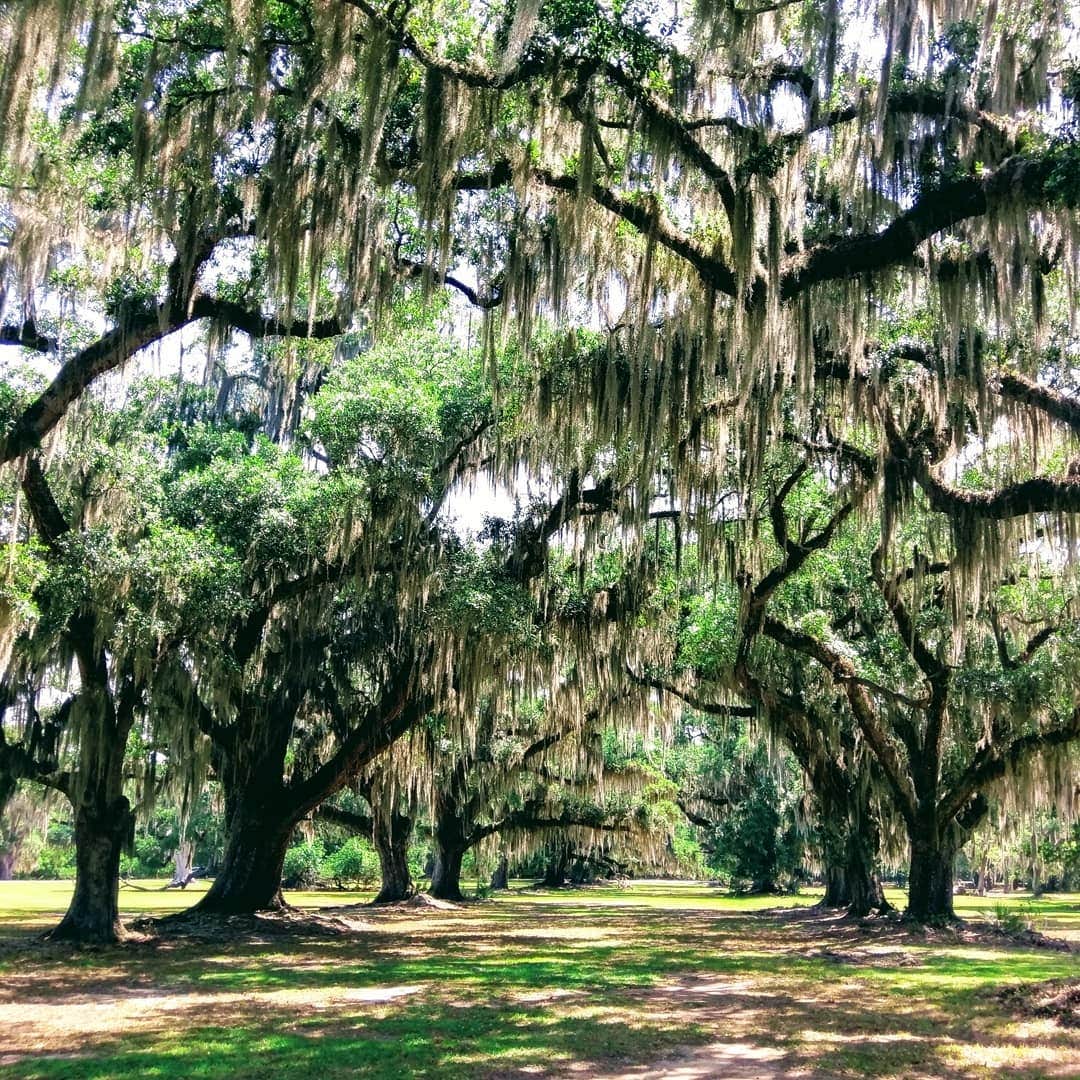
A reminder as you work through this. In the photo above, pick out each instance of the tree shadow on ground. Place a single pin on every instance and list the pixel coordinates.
(524, 990)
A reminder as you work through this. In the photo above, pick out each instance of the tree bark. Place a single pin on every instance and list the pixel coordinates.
(451, 843)
(865, 891)
(984, 870)
(837, 889)
(8, 783)
(934, 845)
(104, 822)
(390, 833)
(834, 840)
(500, 879)
(851, 877)
(259, 819)
(250, 875)
(930, 884)
(102, 828)
(555, 872)
(446, 874)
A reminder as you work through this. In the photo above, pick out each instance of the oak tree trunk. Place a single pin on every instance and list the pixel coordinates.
(865, 891)
(500, 879)
(834, 837)
(259, 818)
(250, 875)
(930, 884)
(450, 847)
(104, 822)
(446, 874)
(390, 833)
(851, 877)
(102, 829)
(8, 783)
(837, 889)
(555, 872)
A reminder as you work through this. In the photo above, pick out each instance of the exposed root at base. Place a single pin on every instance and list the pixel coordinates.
(894, 927)
(284, 922)
(419, 900)
(1055, 999)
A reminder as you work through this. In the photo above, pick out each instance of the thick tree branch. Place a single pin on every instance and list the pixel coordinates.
(361, 824)
(660, 115)
(400, 706)
(1059, 406)
(486, 299)
(693, 816)
(993, 762)
(712, 708)
(49, 520)
(1020, 176)
(28, 336)
(648, 221)
(257, 325)
(930, 665)
(866, 715)
(117, 346)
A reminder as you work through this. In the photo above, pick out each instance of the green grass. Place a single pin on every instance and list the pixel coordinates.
(40, 901)
(599, 979)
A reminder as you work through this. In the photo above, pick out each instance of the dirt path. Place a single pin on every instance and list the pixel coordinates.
(734, 1061)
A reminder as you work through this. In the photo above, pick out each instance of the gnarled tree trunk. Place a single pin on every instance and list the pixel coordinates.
(451, 843)
(852, 880)
(837, 889)
(934, 844)
(555, 872)
(9, 848)
(865, 891)
(930, 885)
(446, 873)
(500, 879)
(390, 833)
(104, 823)
(102, 829)
(834, 840)
(250, 875)
(259, 820)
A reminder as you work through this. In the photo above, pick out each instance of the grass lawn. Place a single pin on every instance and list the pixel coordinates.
(655, 979)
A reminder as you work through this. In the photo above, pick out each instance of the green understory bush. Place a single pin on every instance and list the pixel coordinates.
(55, 861)
(352, 864)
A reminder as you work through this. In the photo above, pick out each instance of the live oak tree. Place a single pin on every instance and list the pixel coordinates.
(96, 637)
(527, 760)
(990, 520)
(723, 690)
(531, 779)
(946, 698)
(362, 598)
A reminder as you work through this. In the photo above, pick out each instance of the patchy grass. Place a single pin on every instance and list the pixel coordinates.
(644, 980)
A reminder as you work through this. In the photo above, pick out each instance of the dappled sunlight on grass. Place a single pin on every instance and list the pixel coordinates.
(595, 982)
